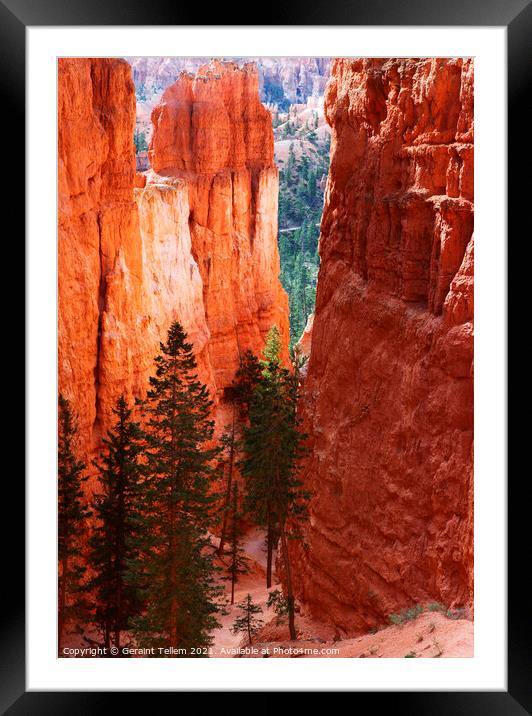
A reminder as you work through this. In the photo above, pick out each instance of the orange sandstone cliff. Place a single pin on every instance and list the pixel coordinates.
(388, 397)
(135, 256)
(212, 132)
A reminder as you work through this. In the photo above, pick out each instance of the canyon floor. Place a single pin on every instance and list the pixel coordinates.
(431, 635)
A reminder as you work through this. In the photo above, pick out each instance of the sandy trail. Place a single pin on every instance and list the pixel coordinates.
(431, 635)
(253, 583)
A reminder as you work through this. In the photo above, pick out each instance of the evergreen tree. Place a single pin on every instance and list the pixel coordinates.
(114, 543)
(175, 566)
(141, 145)
(238, 562)
(301, 190)
(291, 159)
(247, 377)
(303, 239)
(279, 603)
(228, 447)
(248, 623)
(72, 516)
(273, 447)
(312, 186)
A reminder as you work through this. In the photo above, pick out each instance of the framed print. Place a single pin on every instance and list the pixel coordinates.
(261, 424)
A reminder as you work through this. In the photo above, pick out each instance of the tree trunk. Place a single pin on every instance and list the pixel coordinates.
(107, 634)
(119, 557)
(228, 487)
(289, 587)
(269, 559)
(62, 601)
(173, 568)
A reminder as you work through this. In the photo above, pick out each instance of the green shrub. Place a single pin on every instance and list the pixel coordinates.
(455, 613)
(406, 615)
(435, 607)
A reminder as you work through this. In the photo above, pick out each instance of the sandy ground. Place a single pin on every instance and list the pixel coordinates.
(253, 583)
(431, 635)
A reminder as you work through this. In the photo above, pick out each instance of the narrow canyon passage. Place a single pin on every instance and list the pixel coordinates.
(226, 643)
(332, 198)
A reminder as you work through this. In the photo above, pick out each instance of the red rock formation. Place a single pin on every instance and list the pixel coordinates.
(127, 263)
(304, 343)
(296, 77)
(212, 131)
(388, 399)
(97, 221)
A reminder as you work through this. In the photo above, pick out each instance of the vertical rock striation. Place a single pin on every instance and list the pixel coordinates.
(211, 131)
(97, 225)
(388, 398)
(135, 256)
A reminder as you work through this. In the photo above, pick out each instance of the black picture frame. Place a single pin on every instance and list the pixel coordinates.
(516, 15)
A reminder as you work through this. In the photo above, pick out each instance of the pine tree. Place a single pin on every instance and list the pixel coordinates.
(141, 145)
(291, 159)
(255, 466)
(247, 377)
(72, 516)
(278, 602)
(248, 623)
(176, 565)
(303, 284)
(238, 563)
(114, 543)
(312, 186)
(229, 446)
(273, 448)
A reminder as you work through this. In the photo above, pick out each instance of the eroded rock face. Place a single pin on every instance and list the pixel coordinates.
(294, 78)
(388, 398)
(136, 255)
(98, 224)
(282, 81)
(305, 342)
(212, 131)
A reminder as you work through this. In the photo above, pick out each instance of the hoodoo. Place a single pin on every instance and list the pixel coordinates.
(388, 397)
(212, 131)
(197, 244)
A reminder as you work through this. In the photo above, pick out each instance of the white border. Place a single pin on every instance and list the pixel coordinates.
(487, 670)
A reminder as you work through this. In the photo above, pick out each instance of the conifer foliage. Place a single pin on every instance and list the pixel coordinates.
(175, 568)
(247, 378)
(114, 542)
(238, 563)
(248, 622)
(72, 515)
(229, 446)
(273, 446)
(152, 578)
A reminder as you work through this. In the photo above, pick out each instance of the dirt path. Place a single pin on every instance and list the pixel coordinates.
(430, 635)
(253, 583)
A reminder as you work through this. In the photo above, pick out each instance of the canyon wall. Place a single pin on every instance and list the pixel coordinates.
(97, 224)
(135, 255)
(212, 132)
(291, 78)
(282, 80)
(388, 397)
